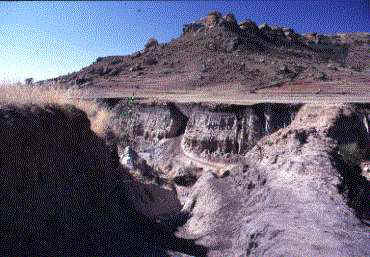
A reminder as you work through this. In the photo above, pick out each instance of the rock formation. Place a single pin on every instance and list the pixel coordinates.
(233, 130)
(208, 130)
(152, 42)
(285, 199)
(128, 157)
(213, 18)
(249, 26)
(150, 123)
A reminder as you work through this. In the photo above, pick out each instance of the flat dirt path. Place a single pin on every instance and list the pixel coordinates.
(305, 92)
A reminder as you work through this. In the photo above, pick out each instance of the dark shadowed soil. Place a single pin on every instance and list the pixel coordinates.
(64, 194)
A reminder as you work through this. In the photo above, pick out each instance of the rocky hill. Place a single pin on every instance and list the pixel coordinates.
(217, 49)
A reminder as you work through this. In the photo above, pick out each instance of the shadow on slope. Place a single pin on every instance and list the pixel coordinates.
(62, 193)
(353, 147)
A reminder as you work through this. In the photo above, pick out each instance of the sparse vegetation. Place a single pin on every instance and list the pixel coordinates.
(20, 95)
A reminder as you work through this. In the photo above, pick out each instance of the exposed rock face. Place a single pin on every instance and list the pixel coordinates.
(193, 27)
(230, 18)
(264, 28)
(249, 26)
(128, 158)
(209, 131)
(365, 167)
(290, 34)
(234, 129)
(137, 166)
(213, 18)
(286, 200)
(150, 123)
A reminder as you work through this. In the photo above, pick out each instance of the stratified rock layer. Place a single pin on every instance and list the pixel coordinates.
(233, 130)
(149, 123)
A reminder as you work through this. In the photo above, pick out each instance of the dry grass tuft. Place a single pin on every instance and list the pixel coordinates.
(20, 95)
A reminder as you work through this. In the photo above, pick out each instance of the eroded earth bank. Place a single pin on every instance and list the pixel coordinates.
(185, 180)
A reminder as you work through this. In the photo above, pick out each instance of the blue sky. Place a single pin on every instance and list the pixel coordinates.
(47, 39)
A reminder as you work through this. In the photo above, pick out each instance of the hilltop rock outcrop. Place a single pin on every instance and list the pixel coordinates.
(249, 26)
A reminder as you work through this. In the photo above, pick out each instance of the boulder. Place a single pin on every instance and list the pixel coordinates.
(28, 81)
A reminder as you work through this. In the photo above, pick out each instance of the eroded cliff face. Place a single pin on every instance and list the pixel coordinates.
(226, 131)
(148, 123)
(291, 194)
(211, 131)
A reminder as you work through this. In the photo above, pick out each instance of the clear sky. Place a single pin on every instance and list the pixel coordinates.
(47, 39)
